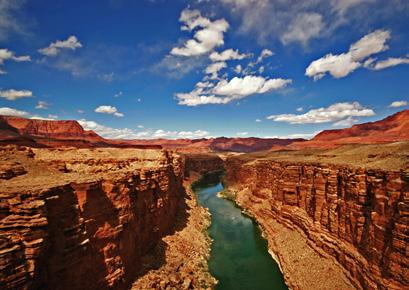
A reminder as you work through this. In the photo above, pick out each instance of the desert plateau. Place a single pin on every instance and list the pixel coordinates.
(204, 145)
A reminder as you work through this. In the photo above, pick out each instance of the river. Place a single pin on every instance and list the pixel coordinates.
(239, 257)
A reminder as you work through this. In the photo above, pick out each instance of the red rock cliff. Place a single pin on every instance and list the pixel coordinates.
(50, 129)
(86, 229)
(358, 216)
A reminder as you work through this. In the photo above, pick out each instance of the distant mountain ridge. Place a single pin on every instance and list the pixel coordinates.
(69, 133)
(390, 129)
(220, 144)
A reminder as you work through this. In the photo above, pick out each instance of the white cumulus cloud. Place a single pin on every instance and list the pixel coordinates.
(225, 91)
(127, 133)
(214, 68)
(19, 113)
(389, 62)
(340, 65)
(13, 94)
(238, 69)
(54, 48)
(397, 104)
(42, 105)
(6, 55)
(111, 110)
(228, 54)
(12, 112)
(209, 34)
(264, 53)
(333, 113)
(248, 85)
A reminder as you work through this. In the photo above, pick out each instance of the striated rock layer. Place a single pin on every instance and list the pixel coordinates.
(358, 216)
(83, 219)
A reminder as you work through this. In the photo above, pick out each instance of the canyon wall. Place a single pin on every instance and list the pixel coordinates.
(202, 163)
(88, 233)
(358, 216)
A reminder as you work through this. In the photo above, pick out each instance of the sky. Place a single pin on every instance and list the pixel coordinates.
(193, 69)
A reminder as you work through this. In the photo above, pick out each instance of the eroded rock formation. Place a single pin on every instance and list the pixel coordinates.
(357, 216)
(86, 228)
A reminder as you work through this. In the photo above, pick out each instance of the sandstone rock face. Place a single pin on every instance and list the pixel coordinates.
(202, 163)
(49, 129)
(358, 216)
(86, 233)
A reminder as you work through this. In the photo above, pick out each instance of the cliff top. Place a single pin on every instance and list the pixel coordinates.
(390, 156)
(40, 169)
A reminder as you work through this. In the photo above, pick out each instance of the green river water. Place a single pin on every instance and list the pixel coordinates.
(239, 258)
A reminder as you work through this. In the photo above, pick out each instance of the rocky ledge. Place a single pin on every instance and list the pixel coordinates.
(330, 224)
(84, 218)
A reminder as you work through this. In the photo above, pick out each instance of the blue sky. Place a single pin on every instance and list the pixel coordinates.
(175, 69)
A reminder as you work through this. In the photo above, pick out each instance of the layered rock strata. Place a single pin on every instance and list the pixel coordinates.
(83, 219)
(358, 217)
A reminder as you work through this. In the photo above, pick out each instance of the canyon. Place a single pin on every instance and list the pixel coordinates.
(78, 211)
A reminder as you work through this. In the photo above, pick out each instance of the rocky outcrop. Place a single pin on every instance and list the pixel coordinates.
(50, 129)
(79, 231)
(357, 216)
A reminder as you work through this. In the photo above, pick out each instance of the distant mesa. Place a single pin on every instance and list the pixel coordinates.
(50, 133)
